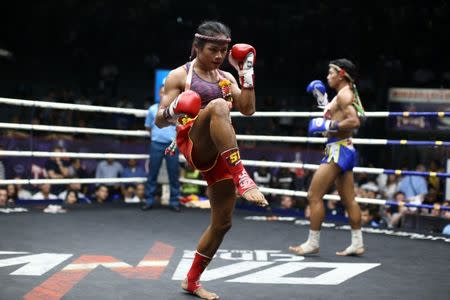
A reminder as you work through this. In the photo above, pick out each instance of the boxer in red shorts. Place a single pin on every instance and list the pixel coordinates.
(205, 94)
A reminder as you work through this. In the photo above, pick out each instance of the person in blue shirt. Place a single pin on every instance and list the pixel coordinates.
(133, 170)
(414, 186)
(161, 138)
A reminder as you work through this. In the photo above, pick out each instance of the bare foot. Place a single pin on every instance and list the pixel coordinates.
(351, 251)
(300, 251)
(200, 292)
(256, 197)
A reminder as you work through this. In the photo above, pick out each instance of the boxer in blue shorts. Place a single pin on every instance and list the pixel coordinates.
(340, 152)
(341, 118)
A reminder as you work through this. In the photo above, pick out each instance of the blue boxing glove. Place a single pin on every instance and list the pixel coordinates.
(320, 125)
(319, 91)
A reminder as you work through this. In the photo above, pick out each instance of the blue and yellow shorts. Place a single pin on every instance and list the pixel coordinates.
(341, 152)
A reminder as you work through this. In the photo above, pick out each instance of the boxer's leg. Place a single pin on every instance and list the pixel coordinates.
(222, 199)
(213, 134)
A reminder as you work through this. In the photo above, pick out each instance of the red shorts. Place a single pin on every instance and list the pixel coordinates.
(212, 172)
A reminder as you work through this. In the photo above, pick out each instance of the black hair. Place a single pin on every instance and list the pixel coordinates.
(348, 66)
(69, 192)
(98, 187)
(209, 29)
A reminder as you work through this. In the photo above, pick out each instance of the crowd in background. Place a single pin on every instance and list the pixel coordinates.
(100, 54)
(397, 188)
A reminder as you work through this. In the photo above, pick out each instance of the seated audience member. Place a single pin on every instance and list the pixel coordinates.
(369, 216)
(388, 185)
(445, 213)
(12, 194)
(44, 193)
(101, 194)
(22, 194)
(128, 193)
(110, 168)
(133, 170)
(57, 167)
(284, 179)
(75, 188)
(3, 197)
(71, 197)
(138, 194)
(78, 170)
(262, 176)
(287, 202)
(370, 190)
(414, 187)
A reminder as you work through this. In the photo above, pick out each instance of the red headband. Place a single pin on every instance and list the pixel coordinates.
(341, 72)
(212, 38)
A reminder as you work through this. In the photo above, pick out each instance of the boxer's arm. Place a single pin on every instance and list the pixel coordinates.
(173, 86)
(244, 100)
(351, 120)
(242, 57)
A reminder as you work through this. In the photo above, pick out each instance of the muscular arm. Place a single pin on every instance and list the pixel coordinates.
(174, 85)
(350, 119)
(244, 100)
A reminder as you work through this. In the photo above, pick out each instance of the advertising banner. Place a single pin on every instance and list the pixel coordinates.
(419, 100)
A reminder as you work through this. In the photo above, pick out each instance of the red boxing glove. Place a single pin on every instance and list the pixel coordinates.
(187, 103)
(242, 58)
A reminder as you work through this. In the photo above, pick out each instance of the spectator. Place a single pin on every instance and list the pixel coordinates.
(133, 170)
(394, 214)
(434, 181)
(57, 168)
(110, 169)
(139, 193)
(73, 188)
(287, 202)
(71, 197)
(44, 193)
(78, 170)
(3, 197)
(135, 194)
(370, 190)
(285, 179)
(388, 185)
(369, 216)
(161, 138)
(446, 213)
(262, 176)
(101, 194)
(414, 187)
(22, 193)
(128, 193)
(12, 194)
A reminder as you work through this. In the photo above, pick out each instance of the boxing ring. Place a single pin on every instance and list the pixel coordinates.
(120, 252)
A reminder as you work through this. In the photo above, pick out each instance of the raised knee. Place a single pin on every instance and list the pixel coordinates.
(219, 107)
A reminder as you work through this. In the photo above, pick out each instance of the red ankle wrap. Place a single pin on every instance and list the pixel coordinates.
(198, 266)
(241, 179)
